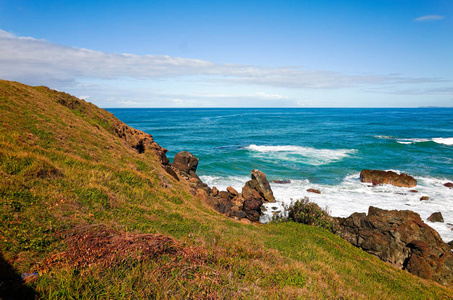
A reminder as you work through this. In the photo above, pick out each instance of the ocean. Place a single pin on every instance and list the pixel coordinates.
(319, 148)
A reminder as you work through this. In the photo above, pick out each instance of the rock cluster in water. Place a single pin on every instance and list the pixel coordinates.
(387, 177)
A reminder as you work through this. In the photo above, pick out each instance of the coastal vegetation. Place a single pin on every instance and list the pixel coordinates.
(89, 213)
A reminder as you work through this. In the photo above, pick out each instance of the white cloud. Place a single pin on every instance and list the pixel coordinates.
(37, 62)
(429, 18)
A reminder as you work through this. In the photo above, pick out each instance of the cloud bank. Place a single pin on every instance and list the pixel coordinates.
(36, 61)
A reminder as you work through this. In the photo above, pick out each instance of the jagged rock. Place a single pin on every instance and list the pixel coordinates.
(140, 141)
(186, 162)
(449, 185)
(259, 182)
(314, 191)
(215, 191)
(387, 177)
(402, 239)
(232, 191)
(424, 198)
(436, 217)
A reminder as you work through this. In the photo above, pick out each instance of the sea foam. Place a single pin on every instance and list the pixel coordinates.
(351, 195)
(308, 155)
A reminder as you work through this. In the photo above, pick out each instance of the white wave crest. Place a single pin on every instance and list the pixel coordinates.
(412, 141)
(306, 155)
(445, 141)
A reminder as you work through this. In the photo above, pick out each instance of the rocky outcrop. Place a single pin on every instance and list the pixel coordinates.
(186, 162)
(402, 239)
(261, 185)
(140, 141)
(387, 177)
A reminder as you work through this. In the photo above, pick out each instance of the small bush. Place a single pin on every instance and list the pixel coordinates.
(306, 212)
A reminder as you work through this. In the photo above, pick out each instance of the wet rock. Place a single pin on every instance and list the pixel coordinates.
(413, 191)
(314, 191)
(282, 181)
(424, 198)
(449, 185)
(436, 217)
(387, 177)
(402, 239)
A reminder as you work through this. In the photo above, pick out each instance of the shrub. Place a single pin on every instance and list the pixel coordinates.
(306, 212)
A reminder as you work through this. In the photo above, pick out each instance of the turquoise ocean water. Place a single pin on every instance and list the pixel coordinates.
(316, 148)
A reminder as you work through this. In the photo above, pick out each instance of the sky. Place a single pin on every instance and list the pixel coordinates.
(165, 53)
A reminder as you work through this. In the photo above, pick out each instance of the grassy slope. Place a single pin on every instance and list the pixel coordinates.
(63, 171)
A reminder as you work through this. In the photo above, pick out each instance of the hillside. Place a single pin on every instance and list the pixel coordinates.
(88, 205)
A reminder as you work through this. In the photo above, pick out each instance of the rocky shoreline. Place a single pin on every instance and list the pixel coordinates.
(400, 238)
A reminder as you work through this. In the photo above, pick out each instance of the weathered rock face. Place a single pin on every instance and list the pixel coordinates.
(259, 183)
(140, 141)
(387, 177)
(402, 239)
(186, 162)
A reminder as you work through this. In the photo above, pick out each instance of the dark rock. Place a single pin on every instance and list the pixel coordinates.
(402, 239)
(224, 195)
(261, 184)
(282, 181)
(424, 198)
(387, 177)
(436, 217)
(314, 191)
(450, 243)
(185, 162)
(449, 185)
(413, 191)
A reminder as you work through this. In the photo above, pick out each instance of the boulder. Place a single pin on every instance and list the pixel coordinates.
(215, 191)
(232, 191)
(449, 185)
(314, 191)
(424, 198)
(185, 162)
(436, 217)
(387, 177)
(402, 239)
(259, 182)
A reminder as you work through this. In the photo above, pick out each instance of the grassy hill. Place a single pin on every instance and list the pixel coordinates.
(97, 217)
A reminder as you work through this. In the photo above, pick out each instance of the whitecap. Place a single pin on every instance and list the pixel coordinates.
(445, 141)
(301, 154)
(413, 141)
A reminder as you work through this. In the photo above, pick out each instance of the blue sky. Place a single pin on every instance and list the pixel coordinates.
(233, 53)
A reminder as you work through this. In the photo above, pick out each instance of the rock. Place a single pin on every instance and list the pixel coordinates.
(449, 185)
(436, 217)
(387, 177)
(185, 162)
(232, 191)
(260, 183)
(215, 191)
(450, 243)
(282, 181)
(413, 191)
(402, 239)
(170, 171)
(424, 198)
(314, 191)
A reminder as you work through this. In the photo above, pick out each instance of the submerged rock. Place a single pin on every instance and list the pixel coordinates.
(424, 198)
(387, 177)
(449, 185)
(282, 181)
(402, 239)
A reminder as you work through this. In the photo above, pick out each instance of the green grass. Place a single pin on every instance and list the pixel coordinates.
(63, 170)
